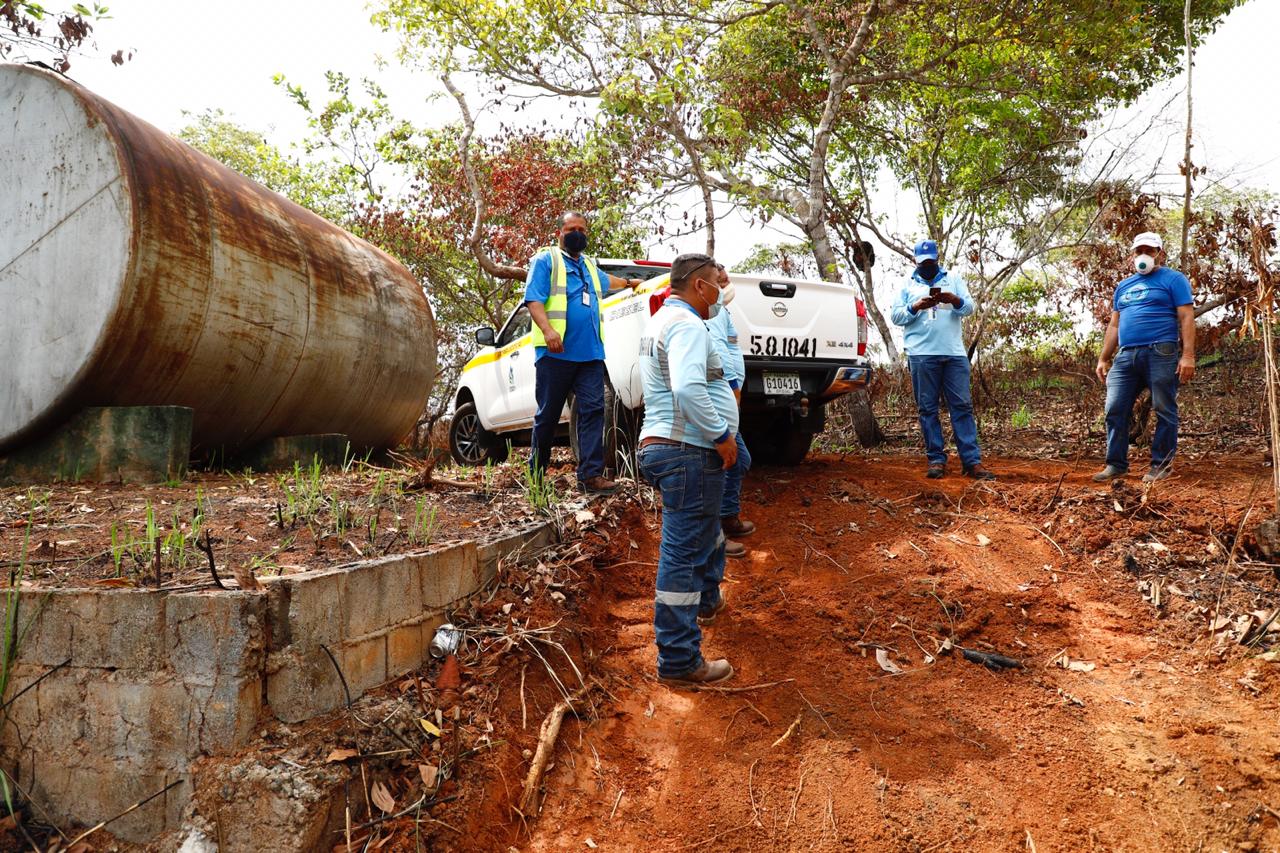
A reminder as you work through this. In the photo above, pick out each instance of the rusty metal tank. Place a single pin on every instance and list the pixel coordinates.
(135, 270)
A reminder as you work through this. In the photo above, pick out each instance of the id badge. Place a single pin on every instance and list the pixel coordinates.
(586, 298)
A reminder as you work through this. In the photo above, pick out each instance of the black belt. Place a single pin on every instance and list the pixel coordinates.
(653, 440)
(1148, 346)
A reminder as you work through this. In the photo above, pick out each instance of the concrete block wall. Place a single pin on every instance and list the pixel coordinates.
(151, 680)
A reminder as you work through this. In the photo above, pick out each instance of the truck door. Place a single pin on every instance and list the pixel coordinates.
(515, 372)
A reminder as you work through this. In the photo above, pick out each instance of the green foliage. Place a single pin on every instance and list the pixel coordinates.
(1021, 418)
(423, 527)
(313, 185)
(539, 490)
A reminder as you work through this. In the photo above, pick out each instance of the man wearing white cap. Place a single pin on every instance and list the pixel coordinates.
(1153, 323)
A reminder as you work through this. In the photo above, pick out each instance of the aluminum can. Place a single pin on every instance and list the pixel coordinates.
(446, 642)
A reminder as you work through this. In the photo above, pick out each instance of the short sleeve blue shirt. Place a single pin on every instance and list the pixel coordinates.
(1148, 306)
(582, 341)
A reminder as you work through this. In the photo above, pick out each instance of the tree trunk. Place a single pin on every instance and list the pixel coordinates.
(858, 402)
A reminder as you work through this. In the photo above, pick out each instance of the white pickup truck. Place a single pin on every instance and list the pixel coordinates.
(804, 343)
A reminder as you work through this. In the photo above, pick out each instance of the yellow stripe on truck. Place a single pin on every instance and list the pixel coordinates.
(489, 357)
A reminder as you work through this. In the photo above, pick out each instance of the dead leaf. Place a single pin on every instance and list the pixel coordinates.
(430, 727)
(113, 582)
(591, 844)
(584, 516)
(1064, 661)
(382, 797)
(882, 658)
(1116, 504)
(340, 755)
(984, 540)
(430, 773)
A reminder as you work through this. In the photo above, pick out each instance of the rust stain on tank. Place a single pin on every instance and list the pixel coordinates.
(259, 314)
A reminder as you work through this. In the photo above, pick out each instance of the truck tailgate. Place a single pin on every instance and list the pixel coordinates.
(791, 319)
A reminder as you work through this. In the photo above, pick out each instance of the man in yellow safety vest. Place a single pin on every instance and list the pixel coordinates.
(564, 290)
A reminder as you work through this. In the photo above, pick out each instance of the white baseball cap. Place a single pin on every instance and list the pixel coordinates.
(1148, 238)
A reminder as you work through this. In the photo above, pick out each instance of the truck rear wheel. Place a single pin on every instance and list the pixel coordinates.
(470, 443)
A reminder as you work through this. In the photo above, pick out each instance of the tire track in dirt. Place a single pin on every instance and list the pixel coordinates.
(1164, 752)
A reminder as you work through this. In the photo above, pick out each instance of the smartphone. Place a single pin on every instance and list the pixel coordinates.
(935, 291)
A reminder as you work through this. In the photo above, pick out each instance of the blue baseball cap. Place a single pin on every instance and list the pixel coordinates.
(926, 250)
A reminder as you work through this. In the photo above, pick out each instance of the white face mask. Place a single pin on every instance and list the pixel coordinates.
(727, 293)
(1144, 263)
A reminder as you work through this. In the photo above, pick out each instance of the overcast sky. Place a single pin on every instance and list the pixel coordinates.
(191, 56)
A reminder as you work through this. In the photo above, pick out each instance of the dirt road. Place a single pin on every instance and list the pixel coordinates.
(1164, 737)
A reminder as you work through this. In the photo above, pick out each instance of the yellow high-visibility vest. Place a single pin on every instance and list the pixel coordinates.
(557, 304)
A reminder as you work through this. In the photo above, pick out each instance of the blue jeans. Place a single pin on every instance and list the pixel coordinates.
(731, 505)
(691, 557)
(555, 378)
(932, 378)
(1154, 367)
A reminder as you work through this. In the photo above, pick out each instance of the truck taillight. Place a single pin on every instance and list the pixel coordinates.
(862, 327)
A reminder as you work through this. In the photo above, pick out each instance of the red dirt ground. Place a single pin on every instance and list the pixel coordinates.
(1170, 743)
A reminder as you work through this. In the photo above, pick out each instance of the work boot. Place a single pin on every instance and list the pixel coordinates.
(1157, 473)
(598, 486)
(1111, 472)
(734, 549)
(710, 618)
(733, 525)
(977, 472)
(936, 472)
(710, 672)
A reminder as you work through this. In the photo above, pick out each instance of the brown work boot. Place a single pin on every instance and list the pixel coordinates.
(734, 526)
(734, 549)
(598, 486)
(710, 618)
(977, 472)
(711, 672)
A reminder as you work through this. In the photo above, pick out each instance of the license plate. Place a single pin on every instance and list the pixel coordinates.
(781, 383)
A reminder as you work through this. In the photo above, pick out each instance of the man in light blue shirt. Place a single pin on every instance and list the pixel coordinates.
(929, 309)
(686, 444)
(724, 336)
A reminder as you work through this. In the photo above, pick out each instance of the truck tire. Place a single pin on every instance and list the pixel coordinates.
(621, 433)
(791, 449)
(470, 443)
(865, 425)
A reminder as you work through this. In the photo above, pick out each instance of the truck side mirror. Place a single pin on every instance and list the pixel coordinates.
(485, 336)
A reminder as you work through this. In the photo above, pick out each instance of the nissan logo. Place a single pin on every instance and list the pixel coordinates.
(779, 309)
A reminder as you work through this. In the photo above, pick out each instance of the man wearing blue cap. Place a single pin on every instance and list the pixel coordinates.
(929, 309)
(1153, 326)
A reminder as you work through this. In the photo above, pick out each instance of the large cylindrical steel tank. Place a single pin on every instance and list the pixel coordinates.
(135, 270)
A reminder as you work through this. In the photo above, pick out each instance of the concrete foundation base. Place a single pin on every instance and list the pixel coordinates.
(131, 689)
(122, 444)
(282, 453)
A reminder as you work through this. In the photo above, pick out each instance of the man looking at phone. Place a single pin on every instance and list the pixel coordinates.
(929, 309)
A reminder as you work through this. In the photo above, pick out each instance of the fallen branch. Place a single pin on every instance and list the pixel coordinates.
(91, 830)
(530, 801)
(207, 547)
(50, 672)
(712, 687)
(991, 660)
(791, 729)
